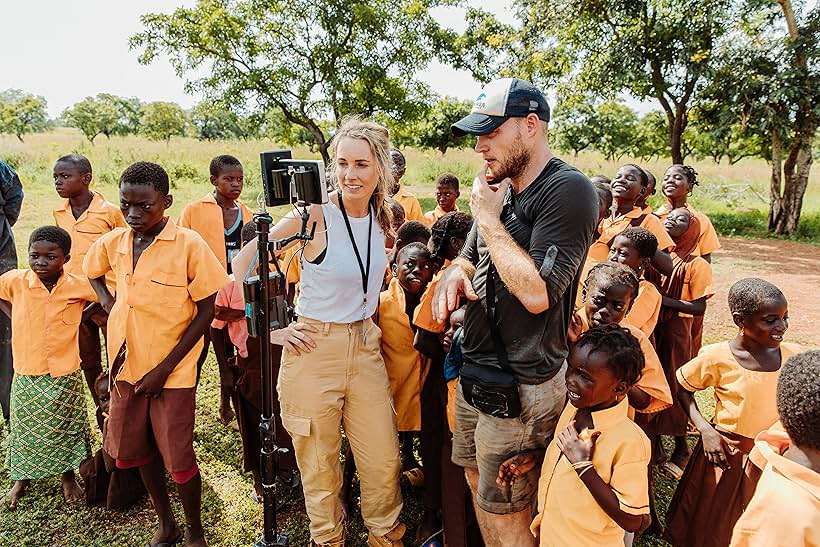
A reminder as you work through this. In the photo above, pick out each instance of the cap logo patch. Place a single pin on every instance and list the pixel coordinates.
(480, 102)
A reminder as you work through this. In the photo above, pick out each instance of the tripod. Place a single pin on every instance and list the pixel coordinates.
(268, 310)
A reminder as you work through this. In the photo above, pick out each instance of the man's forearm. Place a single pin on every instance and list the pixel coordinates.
(516, 268)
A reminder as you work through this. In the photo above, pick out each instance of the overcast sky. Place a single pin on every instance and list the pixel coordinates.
(71, 49)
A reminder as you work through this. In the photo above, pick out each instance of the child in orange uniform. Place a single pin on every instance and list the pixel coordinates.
(634, 247)
(446, 195)
(167, 279)
(406, 367)
(49, 428)
(218, 217)
(785, 509)
(593, 485)
(86, 216)
(684, 295)
(720, 479)
(410, 203)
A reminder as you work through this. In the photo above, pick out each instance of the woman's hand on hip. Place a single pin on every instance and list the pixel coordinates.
(294, 338)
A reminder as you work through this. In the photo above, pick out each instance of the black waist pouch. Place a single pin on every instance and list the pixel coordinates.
(490, 390)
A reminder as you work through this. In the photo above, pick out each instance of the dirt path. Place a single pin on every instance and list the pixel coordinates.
(793, 267)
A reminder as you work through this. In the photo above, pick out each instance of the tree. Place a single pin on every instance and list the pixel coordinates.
(651, 138)
(616, 127)
(310, 60)
(213, 122)
(162, 120)
(576, 127)
(659, 49)
(129, 112)
(768, 83)
(92, 117)
(22, 113)
(711, 137)
(433, 130)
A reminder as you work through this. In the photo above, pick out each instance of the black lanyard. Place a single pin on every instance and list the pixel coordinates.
(365, 272)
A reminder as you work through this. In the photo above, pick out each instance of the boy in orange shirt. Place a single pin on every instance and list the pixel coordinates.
(412, 208)
(446, 195)
(634, 247)
(785, 508)
(167, 280)
(218, 217)
(48, 433)
(86, 216)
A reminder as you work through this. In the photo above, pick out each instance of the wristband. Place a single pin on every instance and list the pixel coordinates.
(581, 464)
(584, 470)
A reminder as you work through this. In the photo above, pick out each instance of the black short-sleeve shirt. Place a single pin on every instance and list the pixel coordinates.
(561, 211)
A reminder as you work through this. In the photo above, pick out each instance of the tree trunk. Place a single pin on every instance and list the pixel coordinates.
(786, 217)
(776, 182)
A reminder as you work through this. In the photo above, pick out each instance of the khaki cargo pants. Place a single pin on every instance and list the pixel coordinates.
(343, 381)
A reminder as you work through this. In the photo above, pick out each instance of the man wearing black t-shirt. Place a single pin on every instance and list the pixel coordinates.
(535, 218)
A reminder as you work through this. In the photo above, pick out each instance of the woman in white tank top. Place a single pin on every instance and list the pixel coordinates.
(332, 373)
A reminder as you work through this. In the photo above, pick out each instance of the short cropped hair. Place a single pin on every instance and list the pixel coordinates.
(52, 234)
(415, 246)
(396, 208)
(603, 179)
(248, 232)
(798, 398)
(220, 162)
(623, 350)
(644, 241)
(748, 295)
(612, 272)
(147, 174)
(644, 177)
(604, 192)
(79, 162)
(447, 179)
(413, 231)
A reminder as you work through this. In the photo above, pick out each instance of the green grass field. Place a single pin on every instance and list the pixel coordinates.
(735, 197)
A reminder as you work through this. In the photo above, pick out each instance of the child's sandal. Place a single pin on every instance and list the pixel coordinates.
(672, 470)
(415, 477)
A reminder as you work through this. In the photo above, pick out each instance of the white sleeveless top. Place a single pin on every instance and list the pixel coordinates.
(331, 291)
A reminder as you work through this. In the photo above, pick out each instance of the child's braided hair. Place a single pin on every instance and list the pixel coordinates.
(689, 171)
(625, 357)
(798, 398)
(453, 224)
(611, 272)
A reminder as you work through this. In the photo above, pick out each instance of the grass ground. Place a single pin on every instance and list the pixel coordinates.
(730, 195)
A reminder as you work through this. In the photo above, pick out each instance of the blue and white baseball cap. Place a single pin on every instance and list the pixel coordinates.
(500, 100)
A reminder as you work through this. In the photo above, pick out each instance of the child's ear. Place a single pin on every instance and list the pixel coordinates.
(394, 268)
(168, 201)
(214, 179)
(87, 178)
(644, 265)
(67, 258)
(621, 389)
(737, 318)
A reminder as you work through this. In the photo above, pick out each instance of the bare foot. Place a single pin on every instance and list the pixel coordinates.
(72, 492)
(195, 542)
(161, 536)
(17, 492)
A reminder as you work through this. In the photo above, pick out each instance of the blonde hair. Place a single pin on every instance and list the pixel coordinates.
(378, 138)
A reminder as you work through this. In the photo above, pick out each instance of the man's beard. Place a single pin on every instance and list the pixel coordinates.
(514, 163)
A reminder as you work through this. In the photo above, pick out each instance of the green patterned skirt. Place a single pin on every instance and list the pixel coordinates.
(49, 426)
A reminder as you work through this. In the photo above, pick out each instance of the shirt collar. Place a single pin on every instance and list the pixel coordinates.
(771, 444)
(96, 205)
(168, 233)
(35, 283)
(603, 420)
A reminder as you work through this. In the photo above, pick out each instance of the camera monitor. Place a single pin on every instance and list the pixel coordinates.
(289, 181)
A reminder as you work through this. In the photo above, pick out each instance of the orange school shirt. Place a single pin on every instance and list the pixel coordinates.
(567, 512)
(406, 367)
(204, 216)
(785, 508)
(432, 217)
(45, 325)
(423, 314)
(611, 227)
(410, 204)
(697, 281)
(745, 400)
(707, 239)
(653, 379)
(156, 301)
(100, 218)
(645, 308)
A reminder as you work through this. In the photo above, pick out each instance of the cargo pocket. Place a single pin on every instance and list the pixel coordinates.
(296, 425)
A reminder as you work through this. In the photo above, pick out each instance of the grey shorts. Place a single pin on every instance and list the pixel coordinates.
(483, 442)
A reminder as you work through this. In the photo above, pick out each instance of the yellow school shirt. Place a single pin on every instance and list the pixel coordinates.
(707, 239)
(745, 400)
(411, 206)
(567, 512)
(423, 314)
(204, 216)
(645, 308)
(156, 302)
(697, 281)
(432, 217)
(45, 325)
(653, 379)
(406, 367)
(100, 218)
(785, 508)
(611, 227)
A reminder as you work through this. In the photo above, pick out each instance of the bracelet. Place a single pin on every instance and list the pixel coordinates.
(584, 470)
(581, 464)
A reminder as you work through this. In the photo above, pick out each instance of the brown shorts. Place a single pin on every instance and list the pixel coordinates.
(139, 427)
